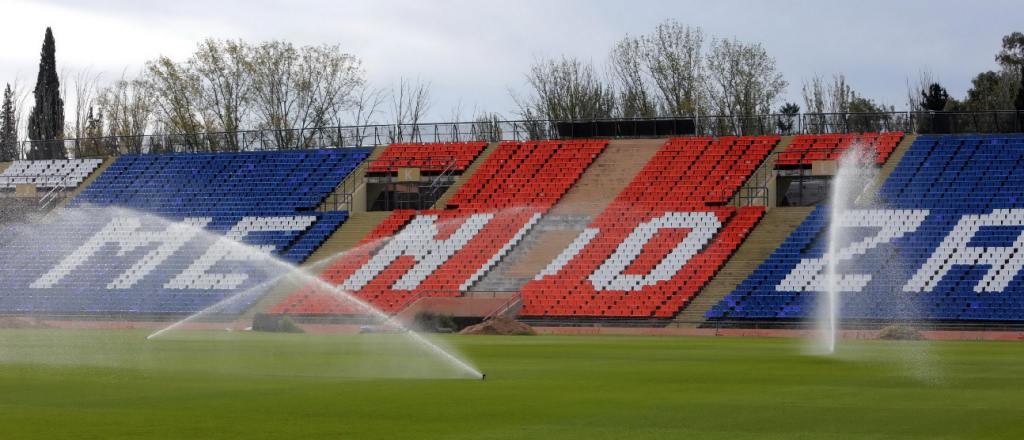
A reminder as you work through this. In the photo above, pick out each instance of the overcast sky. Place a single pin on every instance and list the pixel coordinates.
(472, 51)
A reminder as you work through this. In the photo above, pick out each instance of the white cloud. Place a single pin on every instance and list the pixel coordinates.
(473, 50)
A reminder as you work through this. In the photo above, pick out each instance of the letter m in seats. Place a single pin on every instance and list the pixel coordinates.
(124, 232)
(419, 241)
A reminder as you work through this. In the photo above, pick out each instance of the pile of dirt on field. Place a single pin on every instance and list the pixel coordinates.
(22, 323)
(898, 332)
(499, 325)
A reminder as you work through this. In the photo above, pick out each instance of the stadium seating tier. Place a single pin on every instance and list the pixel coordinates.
(946, 247)
(660, 240)
(101, 257)
(48, 173)
(805, 149)
(443, 253)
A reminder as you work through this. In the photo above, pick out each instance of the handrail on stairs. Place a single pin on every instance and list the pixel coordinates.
(505, 306)
(409, 302)
(60, 185)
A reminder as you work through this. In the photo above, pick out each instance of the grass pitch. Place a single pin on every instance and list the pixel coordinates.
(114, 384)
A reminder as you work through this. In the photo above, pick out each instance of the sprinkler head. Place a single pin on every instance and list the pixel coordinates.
(483, 377)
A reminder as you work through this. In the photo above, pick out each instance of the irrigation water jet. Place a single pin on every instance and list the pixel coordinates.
(258, 289)
(246, 262)
(291, 270)
(855, 170)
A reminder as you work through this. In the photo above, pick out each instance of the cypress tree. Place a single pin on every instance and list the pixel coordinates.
(46, 121)
(8, 128)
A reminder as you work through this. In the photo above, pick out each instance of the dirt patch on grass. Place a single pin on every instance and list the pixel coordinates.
(499, 325)
(22, 323)
(897, 332)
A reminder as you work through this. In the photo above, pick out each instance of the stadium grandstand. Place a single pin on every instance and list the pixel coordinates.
(708, 230)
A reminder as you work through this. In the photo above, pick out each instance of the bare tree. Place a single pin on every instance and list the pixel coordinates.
(833, 105)
(301, 88)
(224, 69)
(565, 89)
(629, 76)
(179, 97)
(128, 105)
(410, 102)
(742, 78)
(486, 126)
(86, 86)
(667, 72)
(824, 95)
(918, 88)
(455, 114)
(366, 104)
(21, 95)
(674, 58)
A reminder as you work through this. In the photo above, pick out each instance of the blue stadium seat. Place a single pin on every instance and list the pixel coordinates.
(959, 180)
(264, 199)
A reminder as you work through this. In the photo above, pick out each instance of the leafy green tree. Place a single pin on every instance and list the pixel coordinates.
(989, 91)
(1011, 58)
(935, 98)
(1012, 55)
(789, 111)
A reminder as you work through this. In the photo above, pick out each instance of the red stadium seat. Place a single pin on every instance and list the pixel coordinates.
(687, 175)
(531, 176)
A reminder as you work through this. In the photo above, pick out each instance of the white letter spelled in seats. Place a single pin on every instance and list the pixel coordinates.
(702, 226)
(417, 240)
(198, 275)
(809, 274)
(1005, 262)
(123, 231)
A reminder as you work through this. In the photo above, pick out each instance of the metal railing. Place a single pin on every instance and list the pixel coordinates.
(11, 181)
(998, 121)
(505, 306)
(55, 192)
(408, 302)
(995, 121)
(820, 123)
(344, 195)
(757, 190)
(452, 294)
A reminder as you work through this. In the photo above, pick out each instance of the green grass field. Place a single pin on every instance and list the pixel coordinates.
(114, 384)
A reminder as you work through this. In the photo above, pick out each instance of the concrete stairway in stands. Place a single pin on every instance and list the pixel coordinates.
(543, 243)
(777, 224)
(868, 196)
(354, 180)
(81, 187)
(603, 180)
(357, 227)
(770, 159)
(442, 202)
(610, 173)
